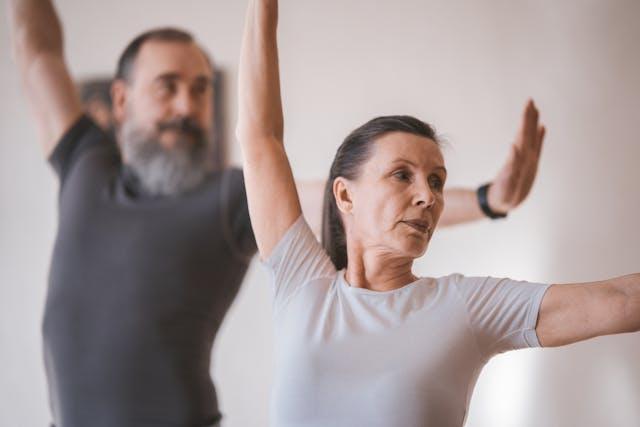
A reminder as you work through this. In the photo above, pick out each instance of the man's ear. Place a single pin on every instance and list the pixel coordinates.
(119, 92)
(342, 194)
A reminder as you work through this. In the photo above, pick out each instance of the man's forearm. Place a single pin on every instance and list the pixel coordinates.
(35, 28)
(461, 206)
(38, 50)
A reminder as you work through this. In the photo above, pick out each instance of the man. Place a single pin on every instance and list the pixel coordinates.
(152, 241)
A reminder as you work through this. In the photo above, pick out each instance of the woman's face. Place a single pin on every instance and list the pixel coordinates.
(396, 202)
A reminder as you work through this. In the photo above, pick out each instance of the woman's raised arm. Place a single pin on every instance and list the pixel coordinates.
(271, 191)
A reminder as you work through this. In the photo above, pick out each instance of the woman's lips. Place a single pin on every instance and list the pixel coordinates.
(419, 225)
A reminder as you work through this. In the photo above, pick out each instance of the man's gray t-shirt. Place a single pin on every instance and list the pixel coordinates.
(409, 357)
(138, 288)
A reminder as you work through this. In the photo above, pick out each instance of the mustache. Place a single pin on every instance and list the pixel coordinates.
(184, 125)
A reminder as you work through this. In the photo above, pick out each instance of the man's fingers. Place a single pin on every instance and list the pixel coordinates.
(542, 131)
(527, 183)
(520, 140)
(513, 165)
(513, 174)
(532, 126)
(520, 172)
(518, 157)
(528, 129)
(530, 169)
(529, 172)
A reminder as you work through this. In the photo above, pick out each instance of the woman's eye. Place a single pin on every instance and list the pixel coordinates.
(437, 183)
(402, 175)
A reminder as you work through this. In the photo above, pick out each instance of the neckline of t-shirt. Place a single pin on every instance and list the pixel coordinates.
(129, 192)
(364, 291)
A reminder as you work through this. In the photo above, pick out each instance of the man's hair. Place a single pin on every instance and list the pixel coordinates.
(128, 57)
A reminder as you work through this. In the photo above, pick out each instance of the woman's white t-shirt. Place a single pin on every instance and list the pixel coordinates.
(408, 357)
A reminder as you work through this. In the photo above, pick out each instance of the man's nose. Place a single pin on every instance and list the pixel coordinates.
(184, 104)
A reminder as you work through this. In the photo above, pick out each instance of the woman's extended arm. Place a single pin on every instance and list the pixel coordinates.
(576, 312)
(271, 191)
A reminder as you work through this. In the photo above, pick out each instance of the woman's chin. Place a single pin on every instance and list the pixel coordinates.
(416, 249)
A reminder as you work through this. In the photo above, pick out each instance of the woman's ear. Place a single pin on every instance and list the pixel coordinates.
(342, 194)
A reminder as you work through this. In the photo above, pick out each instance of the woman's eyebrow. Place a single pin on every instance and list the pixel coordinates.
(402, 160)
(407, 161)
(442, 168)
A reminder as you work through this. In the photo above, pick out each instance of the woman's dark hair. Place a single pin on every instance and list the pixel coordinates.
(351, 155)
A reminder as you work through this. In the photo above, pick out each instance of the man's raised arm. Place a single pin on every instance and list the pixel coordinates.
(37, 42)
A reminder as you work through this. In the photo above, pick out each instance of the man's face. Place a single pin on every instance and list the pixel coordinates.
(164, 114)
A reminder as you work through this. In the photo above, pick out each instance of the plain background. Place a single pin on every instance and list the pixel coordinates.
(465, 66)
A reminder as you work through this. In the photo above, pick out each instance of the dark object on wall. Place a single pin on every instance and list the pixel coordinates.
(95, 95)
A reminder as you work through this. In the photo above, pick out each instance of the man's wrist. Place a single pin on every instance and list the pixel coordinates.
(483, 201)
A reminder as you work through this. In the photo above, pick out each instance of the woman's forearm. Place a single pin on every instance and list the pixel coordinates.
(260, 130)
(578, 311)
(260, 109)
(630, 286)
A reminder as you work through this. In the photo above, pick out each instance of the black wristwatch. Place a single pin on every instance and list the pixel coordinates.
(483, 201)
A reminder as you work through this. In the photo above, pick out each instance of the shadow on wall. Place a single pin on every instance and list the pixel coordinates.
(594, 233)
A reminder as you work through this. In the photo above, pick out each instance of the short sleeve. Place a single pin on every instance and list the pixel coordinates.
(81, 137)
(297, 260)
(236, 214)
(503, 313)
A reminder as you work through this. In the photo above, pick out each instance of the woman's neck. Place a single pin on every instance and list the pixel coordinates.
(377, 270)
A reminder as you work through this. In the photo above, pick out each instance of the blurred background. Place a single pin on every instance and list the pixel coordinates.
(468, 67)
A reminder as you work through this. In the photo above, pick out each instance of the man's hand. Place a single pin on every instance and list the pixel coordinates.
(512, 184)
(514, 181)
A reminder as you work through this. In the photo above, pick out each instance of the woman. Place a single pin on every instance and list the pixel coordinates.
(362, 341)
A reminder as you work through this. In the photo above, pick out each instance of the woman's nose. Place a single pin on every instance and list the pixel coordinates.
(424, 196)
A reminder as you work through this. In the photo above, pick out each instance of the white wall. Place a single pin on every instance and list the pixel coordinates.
(467, 67)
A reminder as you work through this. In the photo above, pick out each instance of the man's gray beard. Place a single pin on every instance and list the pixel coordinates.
(162, 171)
